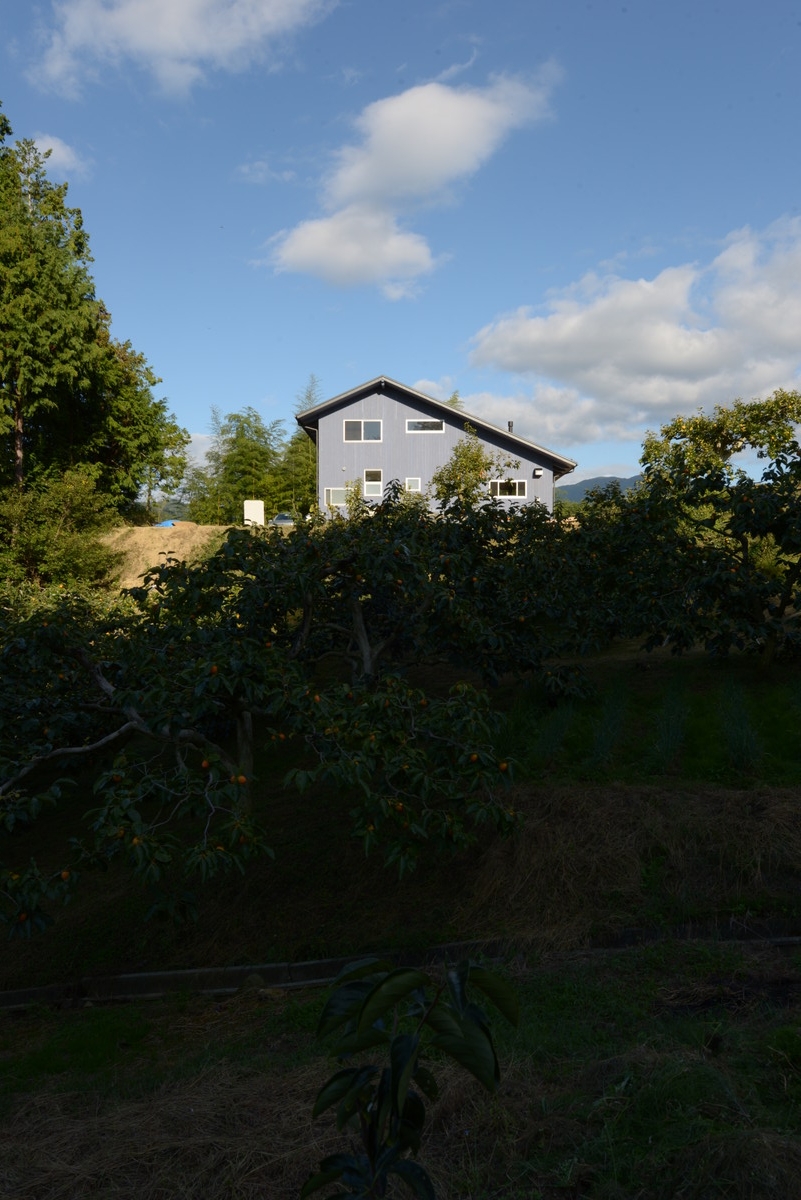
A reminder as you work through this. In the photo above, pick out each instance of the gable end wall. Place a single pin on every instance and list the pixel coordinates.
(400, 455)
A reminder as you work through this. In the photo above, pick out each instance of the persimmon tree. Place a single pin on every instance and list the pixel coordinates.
(744, 532)
(163, 697)
(398, 1015)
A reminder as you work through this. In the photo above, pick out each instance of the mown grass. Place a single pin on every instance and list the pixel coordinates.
(691, 720)
(672, 1070)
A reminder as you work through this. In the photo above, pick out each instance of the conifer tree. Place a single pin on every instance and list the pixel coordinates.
(71, 396)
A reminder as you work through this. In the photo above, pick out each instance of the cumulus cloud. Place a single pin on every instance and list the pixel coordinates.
(417, 144)
(62, 158)
(412, 150)
(177, 40)
(610, 356)
(441, 389)
(355, 246)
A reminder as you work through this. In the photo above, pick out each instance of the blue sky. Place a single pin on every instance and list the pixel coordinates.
(584, 216)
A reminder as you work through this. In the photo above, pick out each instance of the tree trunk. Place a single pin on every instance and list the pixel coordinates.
(18, 444)
(244, 749)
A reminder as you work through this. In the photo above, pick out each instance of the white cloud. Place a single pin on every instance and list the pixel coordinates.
(418, 143)
(457, 68)
(413, 148)
(440, 389)
(260, 171)
(62, 157)
(199, 446)
(355, 246)
(175, 39)
(612, 356)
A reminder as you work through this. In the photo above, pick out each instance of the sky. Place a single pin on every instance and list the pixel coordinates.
(584, 217)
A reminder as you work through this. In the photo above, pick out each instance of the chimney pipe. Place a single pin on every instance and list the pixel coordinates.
(511, 426)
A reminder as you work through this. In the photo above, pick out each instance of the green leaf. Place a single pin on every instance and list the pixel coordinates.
(457, 985)
(388, 992)
(403, 1057)
(499, 991)
(415, 1178)
(356, 1043)
(381, 1109)
(338, 1086)
(343, 1005)
(474, 1050)
(364, 966)
(443, 1020)
(331, 1168)
(426, 1082)
(315, 1182)
(412, 1121)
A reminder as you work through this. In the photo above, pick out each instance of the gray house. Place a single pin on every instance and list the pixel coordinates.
(383, 430)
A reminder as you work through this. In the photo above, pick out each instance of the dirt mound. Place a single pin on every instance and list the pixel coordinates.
(143, 547)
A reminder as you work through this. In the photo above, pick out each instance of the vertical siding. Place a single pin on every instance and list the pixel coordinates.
(400, 455)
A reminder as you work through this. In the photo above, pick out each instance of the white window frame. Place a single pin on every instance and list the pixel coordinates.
(330, 502)
(362, 421)
(371, 485)
(520, 486)
(437, 421)
(414, 484)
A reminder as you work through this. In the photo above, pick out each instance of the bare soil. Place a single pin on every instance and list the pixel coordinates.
(146, 546)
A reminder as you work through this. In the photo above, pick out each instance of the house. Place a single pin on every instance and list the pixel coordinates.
(383, 430)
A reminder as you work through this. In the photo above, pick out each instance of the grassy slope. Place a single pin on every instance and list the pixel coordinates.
(670, 797)
(667, 1071)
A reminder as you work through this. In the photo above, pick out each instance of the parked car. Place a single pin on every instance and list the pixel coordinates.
(283, 520)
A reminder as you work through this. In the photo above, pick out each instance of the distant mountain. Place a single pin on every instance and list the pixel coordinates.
(577, 491)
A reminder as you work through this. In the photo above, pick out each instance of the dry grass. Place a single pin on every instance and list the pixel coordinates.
(587, 860)
(743, 1165)
(645, 1112)
(143, 547)
(589, 863)
(232, 1134)
(224, 1133)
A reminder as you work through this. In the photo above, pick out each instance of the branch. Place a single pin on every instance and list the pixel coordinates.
(38, 759)
(302, 635)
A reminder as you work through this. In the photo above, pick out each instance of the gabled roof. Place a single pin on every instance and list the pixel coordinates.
(308, 419)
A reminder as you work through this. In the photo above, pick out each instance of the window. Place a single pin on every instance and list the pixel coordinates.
(508, 487)
(334, 497)
(362, 431)
(413, 485)
(373, 483)
(415, 425)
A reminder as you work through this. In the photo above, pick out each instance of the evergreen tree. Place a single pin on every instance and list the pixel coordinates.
(48, 311)
(309, 396)
(297, 475)
(240, 465)
(297, 470)
(71, 397)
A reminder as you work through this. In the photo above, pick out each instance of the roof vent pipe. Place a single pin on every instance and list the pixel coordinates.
(511, 426)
